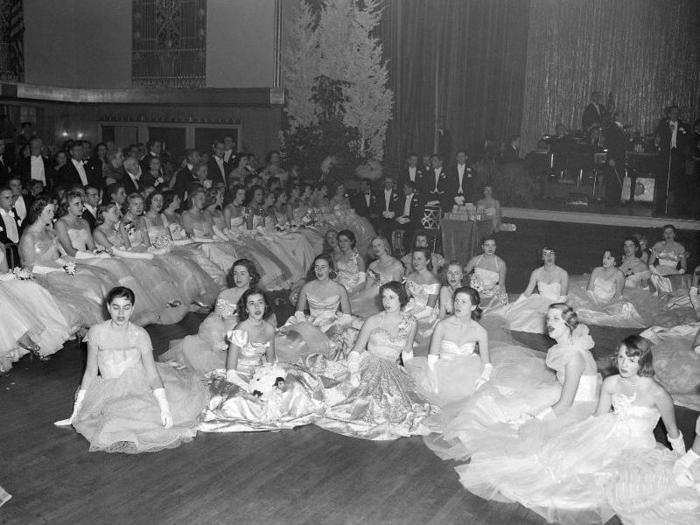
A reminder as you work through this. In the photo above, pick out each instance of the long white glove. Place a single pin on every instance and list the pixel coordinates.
(300, 316)
(485, 376)
(681, 469)
(406, 355)
(166, 418)
(677, 444)
(547, 414)
(79, 398)
(353, 362)
(432, 359)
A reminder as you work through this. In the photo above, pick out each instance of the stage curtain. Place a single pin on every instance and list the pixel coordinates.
(644, 51)
(479, 47)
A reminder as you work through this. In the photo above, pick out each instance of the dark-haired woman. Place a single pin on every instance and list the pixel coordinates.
(458, 362)
(608, 464)
(258, 393)
(384, 402)
(349, 263)
(206, 350)
(134, 405)
(424, 290)
(525, 396)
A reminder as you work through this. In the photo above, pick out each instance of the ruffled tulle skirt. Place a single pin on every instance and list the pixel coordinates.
(426, 319)
(122, 415)
(384, 403)
(331, 336)
(79, 297)
(205, 351)
(526, 314)
(449, 381)
(366, 302)
(592, 310)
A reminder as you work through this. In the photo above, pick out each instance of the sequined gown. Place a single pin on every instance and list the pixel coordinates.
(588, 471)
(386, 403)
(242, 411)
(207, 350)
(120, 413)
(28, 309)
(597, 307)
(427, 316)
(486, 282)
(349, 274)
(522, 384)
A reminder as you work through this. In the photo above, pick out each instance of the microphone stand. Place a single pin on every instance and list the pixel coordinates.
(668, 171)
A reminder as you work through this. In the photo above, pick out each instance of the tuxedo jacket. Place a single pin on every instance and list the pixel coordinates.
(69, 176)
(616, 141)
(405, 176)
(184, 178)
(415, 210)
(592, 115)
(359, 204)
(215, 173)
(683, 135)
(443, 187)
(129, 186)
(90, 219)
(468, 184)
(4, 239)
(381, 206)
(25, 170)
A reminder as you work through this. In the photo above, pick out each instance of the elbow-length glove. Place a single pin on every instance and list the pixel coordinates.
(79, 398)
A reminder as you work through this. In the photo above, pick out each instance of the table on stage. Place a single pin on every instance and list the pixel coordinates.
(461, 238)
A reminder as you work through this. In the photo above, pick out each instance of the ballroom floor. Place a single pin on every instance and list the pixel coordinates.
(306, 475)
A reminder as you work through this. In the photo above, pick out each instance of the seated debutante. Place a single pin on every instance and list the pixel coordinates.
(686, 470)
(255, 212)
(491, 208)
(601, 301)
(349, 264)
(487, 275)
(453, 369)
(266, 396)
(423, 289)
(171, 217)
(603, 465)
(634, 269)
(525, 399)
(134, 405)
(437, 261)
(78, 292)
(527, 313)
(329, 315)
(668, 275)
(454, 276)
(383, 269)
(31, 321)
(383, 401)
(206, 350)
(234, 211)
(195, 221)
(644, 250)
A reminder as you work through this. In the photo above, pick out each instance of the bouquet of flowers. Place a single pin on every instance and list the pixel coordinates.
(22, 274)
(161, 242)
(69, 268)
(220, 388)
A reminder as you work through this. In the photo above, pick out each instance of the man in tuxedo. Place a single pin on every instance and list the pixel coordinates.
(10, 228)
(461, 187)
(131, 182)
(115, 193)
(154, 148)
(36, 166)
(410, 209)
(436, 185)
(511, 152)
(22, 201)
(616, 141)
(187, 174)
(218, 169)
(387, 202)
(4, 167)
(92, 201)
(74, 172)
(365, 201)
(595, 112)
(674, 140)
(229, 152)
(412, 172)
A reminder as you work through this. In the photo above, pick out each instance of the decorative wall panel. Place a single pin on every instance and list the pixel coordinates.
(11, 41)
(169, 43)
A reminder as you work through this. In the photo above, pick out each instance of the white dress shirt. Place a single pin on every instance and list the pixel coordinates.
(368, 199)
(136, 181)
(461, 169)
(93, 211)
(438, 172)
(387, 199)
(37, 169)
(412, 173)
(21, 208)
(10, 225)
(407, 205)
(80, 167)
(222, 170)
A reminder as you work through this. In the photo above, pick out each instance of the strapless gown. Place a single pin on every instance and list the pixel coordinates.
(326, 332)
(596, 306)
(208, 349)
(676, 364)
(427, 316)
(238, 409)
(522, 384)
(387, 403)
(452, 377)
(486, 282)
(588, 471)
(366, 301)
(120, 413)
(349, 274)
(527, 314)
(28, 309)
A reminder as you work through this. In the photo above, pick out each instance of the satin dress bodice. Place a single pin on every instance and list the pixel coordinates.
(250, 354)
(79, 238)
(319, 307)
(46, 250)
(451, 350)
(549, 290)
(421, 292)
(668, 258)
(202, 226)
(349, 274)
(118, 350)
(385, 345)
(158, 234)
(388, 272)
(635, 421)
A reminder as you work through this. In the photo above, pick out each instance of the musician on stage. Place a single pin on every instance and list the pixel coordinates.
(595, 113)
(616, 140)
(673, 136)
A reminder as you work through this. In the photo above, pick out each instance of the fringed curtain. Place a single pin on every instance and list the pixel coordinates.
(479, 48)
(644, 51)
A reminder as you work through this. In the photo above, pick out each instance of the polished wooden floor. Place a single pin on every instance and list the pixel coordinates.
(306, 475)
